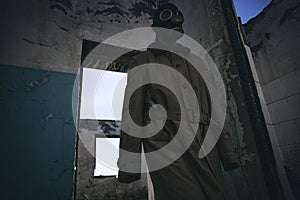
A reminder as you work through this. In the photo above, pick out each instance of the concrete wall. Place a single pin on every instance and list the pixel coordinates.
(38, 60)
(40, 56)
(274, 38)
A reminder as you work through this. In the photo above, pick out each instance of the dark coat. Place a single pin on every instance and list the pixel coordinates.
(189, 177)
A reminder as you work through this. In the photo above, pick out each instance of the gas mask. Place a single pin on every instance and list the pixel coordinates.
(168, 16)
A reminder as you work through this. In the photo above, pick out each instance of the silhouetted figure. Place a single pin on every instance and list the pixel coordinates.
(188, 177)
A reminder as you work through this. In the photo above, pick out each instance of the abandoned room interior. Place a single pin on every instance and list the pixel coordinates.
(59, 81)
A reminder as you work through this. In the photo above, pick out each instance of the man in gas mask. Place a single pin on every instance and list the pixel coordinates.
(188, 177)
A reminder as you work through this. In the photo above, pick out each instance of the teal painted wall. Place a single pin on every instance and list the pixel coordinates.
(37, 134)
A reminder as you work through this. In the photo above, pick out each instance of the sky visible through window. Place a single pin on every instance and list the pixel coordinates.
(247, 9)
(102, 94)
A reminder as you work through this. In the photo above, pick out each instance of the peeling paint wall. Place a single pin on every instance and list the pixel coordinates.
(274, 38)
(37, 131)
(47, 35)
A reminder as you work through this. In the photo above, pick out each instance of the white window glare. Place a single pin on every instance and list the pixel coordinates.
(102, 94)
(107, 154)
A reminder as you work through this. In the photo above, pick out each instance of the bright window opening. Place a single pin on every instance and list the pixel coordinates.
(101, 103)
